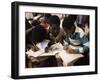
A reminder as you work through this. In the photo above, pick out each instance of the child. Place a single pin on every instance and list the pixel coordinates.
(55, 32)
(38, 36)
(76, 40)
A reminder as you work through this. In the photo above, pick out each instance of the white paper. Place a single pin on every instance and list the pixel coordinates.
(34, 54)
(43, 45)
(57, 50)
(69, 58)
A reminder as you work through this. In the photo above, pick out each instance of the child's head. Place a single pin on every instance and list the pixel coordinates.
(68, 24)
(54, 22)
(39, 34)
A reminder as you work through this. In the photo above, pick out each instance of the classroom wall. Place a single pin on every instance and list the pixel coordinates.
(5, 40)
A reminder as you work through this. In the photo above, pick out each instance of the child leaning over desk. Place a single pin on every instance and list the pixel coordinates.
(75, 38)
(38, 37)
(55, 33)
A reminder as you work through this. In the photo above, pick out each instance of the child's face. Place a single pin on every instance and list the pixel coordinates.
(69, 31)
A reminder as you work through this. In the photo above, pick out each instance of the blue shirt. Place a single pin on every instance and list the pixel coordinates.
(78, 41)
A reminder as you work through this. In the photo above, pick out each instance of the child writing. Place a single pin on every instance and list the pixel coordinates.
(76, 40)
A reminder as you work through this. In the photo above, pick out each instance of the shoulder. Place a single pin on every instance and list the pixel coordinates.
(80, 31)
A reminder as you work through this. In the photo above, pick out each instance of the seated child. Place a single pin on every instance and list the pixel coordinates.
(55, 32)
(38, 35)
(75, 39)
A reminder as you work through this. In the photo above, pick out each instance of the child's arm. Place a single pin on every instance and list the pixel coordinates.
(85, 45)
(82, 49)
(69, 50)
(67, 47)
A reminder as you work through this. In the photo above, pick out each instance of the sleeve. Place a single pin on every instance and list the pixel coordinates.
(85, 45)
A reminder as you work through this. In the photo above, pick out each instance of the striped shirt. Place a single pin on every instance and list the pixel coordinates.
(78, 41)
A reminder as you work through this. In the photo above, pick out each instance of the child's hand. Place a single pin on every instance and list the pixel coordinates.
(47, 49)
(65, 47)
(35, 48)
(70, 50)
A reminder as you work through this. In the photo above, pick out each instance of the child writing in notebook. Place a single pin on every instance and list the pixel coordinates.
(39, 35)
(75, 38)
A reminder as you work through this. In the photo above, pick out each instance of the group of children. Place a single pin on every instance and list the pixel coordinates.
(65, 29)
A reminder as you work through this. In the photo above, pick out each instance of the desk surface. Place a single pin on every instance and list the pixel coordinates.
(68, 59)
(57, 51)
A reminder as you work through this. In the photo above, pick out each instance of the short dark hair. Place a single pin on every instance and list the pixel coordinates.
(54, 20)
(39, 33)
(68, 22)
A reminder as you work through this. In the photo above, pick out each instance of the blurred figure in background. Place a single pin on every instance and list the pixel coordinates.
(44, 21)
